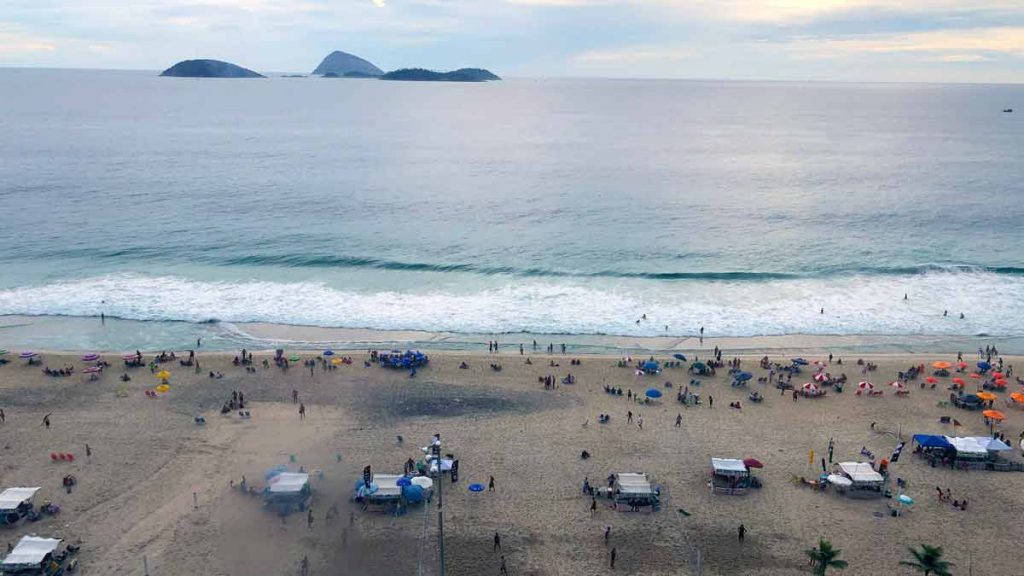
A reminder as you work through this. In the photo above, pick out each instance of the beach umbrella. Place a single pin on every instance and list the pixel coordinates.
(476, 487)
(752, 463)
(163, 375)
(839, 480)
(896, 384)
(3, 352)
(904, 499)
(961, 364)
(942, 365)
(336, 361)
(403, 481)
(810, 387)
(162, 388)
(293, 358)
(650, 366)
(865, 385)
(820, 377)
(1001, 382)
(997, 374)
(27, 355)
(653, 393)
(91, 369)
(328, 353)
(993, 415)
(423, 482)
(129, 357)
(959, 381)
(984, 366)
(931, 380)
(986, 396)
(679, 357)
(1017, 397)
(799, 361)
(744, 376)
(91, 357)
(975, 375)
(699, 366)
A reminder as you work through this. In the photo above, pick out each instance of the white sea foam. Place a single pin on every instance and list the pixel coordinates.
(991, 302)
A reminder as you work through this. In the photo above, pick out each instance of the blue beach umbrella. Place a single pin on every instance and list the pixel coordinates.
(650, 366)
(800, 361)
(904, 499)
(328, 353)
(476, 487)
(403, 481)
(679, 357)
(984, 366)
(744, 376)
(653, 393)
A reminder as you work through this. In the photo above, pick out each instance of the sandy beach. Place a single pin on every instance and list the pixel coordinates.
(134, 498)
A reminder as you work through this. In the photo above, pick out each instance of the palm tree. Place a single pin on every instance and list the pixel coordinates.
(824, 556)
(929, 561)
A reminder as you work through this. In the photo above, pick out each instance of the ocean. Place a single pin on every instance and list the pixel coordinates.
(178, 207)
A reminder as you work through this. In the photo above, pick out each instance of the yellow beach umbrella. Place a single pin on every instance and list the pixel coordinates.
(163, 374)
(336, 361)
(986, 396)
(163, 388)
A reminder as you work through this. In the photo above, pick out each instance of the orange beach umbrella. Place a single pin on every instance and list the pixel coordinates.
(942, 365)
(1017, 397)
(986, 396)
(993, 415)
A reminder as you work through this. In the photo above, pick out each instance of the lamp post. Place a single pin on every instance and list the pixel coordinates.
(436, 449)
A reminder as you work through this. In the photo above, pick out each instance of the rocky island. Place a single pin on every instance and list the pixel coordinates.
(340, 64)
(460, 75)
(209, 69)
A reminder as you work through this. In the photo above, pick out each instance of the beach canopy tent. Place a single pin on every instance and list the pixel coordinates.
(976, 446)
(650, 367)
(861, 473)
(729, 467)
(288, 483)
(387, 487)
(634, 489)
(729, 476)
(653, 393)
(933, 441)
(30, 552)
(841, 481)
(13, 498)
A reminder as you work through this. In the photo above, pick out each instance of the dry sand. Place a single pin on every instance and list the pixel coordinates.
(134, 496)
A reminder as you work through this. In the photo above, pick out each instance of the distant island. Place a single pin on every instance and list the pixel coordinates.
(460, 75)
(209, 69)
(340, 64)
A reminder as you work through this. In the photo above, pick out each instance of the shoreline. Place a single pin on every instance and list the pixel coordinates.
(69, 334)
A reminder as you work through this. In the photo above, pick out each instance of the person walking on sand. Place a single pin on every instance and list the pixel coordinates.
(711, 401)
(490, 485)
(640, 422)
(88, 451)
(593, 505)
(607, 534)
(741, 532)
(629, 417)
(309, 519)
(679, 420)
(304, 566)
(503, 569)
(611, 563)
(302, 411)
(46, 420)
(3, 417)
(497, 543)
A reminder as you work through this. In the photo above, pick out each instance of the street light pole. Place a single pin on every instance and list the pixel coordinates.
(440, 502)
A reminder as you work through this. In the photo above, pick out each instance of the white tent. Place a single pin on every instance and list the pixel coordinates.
(861, 472)
(729, 467)
(633, 484)
(976, 445)
(387, 486)
(30, 551)
(288, 482)
(11, 498)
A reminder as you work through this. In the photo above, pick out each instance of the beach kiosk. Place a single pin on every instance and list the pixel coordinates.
(16, 503)
(633, 491)
(729, 476)
(864, 481)
(288, 489)
(35, 556)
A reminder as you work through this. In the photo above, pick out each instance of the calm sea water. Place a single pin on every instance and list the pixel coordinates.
(550, 206)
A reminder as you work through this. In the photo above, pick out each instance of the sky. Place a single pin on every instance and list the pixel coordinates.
(840, 40)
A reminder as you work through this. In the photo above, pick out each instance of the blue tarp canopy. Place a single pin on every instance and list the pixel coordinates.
(650, 366)
(932, 441)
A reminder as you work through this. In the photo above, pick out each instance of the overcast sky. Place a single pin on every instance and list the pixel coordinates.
(884, 40)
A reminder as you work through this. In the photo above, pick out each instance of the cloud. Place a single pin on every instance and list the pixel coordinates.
(971, 45)
(636, 54)
(379, 3)
(16, 45)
